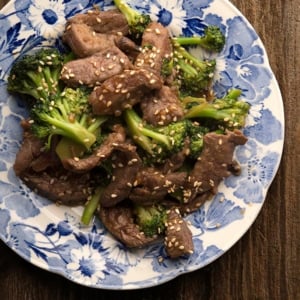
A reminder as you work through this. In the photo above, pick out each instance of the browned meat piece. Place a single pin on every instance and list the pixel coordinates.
(187, 208)
(156, 46)
(84, 42)
(214, 164)
(163, 107)
(122, 91)
(178, 237)
(31, 149)
(59, 186)
(96, 68)
(128, 46)
(110, 21)
(152, 186)
(119, 221)
(86, 164)
(32, 154)
(126, 165)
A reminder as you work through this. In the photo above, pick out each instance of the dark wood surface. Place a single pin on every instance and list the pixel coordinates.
(265, 263)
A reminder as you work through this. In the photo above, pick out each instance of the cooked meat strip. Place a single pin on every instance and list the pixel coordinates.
(122, 91)
(126, 165)
(84, 42)
(156, 46)
(163, 107)
(31, 148)
(187, 208)
(101, 153)
(178, 236)
(109, 21)
(59, 186)
(95, 69)
(32, 154)
(128, 46)
(214, 164)
(152, 186)
(119, 221)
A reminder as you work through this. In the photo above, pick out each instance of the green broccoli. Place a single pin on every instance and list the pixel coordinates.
(228, 111)
(193, 75)
(196, 133)
(151, 219)
(212, 40)
(158, 142)
(69, 115)
(91, 206)
(137, 21)
(37, 74)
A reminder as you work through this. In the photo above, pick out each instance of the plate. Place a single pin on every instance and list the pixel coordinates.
(52, 237)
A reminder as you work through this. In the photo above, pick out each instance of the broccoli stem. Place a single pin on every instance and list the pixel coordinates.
(207, 110)
(129, 13)
(191, 40)
(91, 206)
(213, 39)
(73, 131)
(143, 135)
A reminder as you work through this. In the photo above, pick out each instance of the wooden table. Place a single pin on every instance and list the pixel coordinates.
(265, 263)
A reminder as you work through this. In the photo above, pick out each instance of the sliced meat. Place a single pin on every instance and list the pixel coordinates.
(59, 186)
(122, 91)
(156, 46)
(30, 149)
(178, 236)
(126, 165)
(95, 69)
(214, 164)
(151, 186)
(32, 154)
(128, 46)
(119, 220)
(110, 21)
(163, 107)
(84, 41)
(187, 208)
(86, 164)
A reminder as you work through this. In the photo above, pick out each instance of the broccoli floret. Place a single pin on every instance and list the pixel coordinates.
(228, 111)
(69, 115)
(212, 40)
(137, 21)
(158, 142)
(193, 75)
(196, 133)
(151, 219)
(37, 74)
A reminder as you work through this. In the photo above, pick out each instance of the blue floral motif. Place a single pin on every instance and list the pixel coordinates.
(4, 221)
(244, 63)
(9, 41)
(219, 213)
(255, 177)
(46, 19)
(267, 128)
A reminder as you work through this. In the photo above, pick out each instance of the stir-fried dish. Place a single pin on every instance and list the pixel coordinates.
(124, 121)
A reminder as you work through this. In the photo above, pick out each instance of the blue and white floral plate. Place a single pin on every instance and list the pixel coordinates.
(52, 237)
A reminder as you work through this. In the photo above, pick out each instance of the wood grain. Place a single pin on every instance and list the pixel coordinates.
(265, 263)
